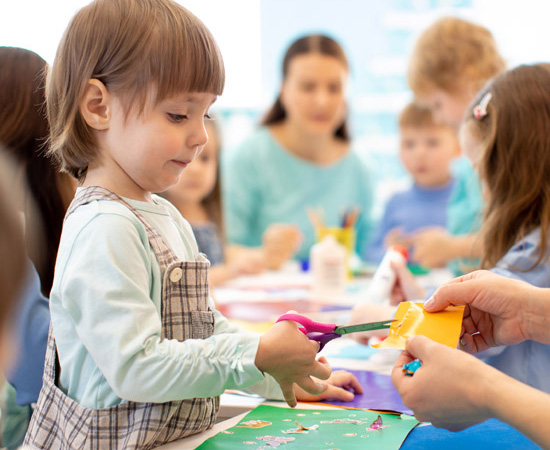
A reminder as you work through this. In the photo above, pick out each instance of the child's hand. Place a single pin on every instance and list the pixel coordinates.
(364, 313)
(396, 236)
(406, 288)
(280, 243)
(433, 247)
(289, 357)
(341, 386)
(247, 261)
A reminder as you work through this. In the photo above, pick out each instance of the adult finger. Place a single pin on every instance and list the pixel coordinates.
(397, 374)
(421, 347)
(451, 294)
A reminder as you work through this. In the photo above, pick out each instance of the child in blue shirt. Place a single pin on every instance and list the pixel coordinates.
(426, 151)
(137, 354)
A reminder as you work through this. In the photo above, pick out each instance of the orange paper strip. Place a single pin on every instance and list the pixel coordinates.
(411, 320)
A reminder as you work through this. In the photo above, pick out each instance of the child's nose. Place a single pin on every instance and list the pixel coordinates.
(199, 138)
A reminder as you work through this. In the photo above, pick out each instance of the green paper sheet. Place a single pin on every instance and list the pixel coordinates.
(341, 436)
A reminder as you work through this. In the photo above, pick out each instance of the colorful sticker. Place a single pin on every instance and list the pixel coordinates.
(254, 424)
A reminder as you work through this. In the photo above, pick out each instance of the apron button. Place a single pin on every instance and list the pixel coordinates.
(176, 275)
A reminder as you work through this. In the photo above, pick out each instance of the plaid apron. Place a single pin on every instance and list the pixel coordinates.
(62, 423)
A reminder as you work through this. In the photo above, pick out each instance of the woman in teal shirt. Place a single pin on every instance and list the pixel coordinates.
(300, 159)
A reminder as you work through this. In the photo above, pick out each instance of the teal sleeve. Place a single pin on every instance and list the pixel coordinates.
(241, 199)
(104, 306)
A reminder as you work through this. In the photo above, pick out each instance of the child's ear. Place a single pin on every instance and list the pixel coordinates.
(95, 105)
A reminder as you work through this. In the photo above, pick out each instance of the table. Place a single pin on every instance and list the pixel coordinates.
(256, 301)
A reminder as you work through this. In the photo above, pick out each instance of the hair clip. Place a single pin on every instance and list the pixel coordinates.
(480, 111)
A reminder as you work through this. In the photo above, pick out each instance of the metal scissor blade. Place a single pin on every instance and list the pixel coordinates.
(364, 327)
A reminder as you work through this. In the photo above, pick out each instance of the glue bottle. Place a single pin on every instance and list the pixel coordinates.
(382, 282)
(328, 267)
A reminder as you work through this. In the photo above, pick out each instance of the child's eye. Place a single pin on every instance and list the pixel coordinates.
(207, 117)
(177, 118)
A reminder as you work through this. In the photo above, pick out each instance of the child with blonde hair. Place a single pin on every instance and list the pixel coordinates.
(505, 136)
(426, 149)
(197, 195)
(451, 61)
(137, 354)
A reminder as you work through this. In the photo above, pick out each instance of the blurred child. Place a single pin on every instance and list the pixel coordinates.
(137, 353)
(12, 274)
(197, 195)
(426, 151)
(451, 61)
(42, 194)
(505, 136)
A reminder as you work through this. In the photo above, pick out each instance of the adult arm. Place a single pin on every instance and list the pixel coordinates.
(455, 390)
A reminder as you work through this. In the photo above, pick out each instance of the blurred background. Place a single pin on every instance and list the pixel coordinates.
(376, 35)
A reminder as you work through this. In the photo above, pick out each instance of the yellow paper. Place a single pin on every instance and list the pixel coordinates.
(411, 320)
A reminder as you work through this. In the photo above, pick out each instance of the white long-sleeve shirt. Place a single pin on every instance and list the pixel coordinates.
(105, 309)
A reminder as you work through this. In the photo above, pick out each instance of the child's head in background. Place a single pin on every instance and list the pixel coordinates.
(505, 136)
(23, 133)
(129, 88)
(426, 148)
(199, 184)
(451, 61)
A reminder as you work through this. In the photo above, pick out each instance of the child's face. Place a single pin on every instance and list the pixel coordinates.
(147, 153)
(198, 180)
(426, 153)
(471, 147)
(313, 93)
(447, 108)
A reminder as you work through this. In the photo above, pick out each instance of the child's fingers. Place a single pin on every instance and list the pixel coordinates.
(337, 393)
(309, 385)
(287, 387)
(321, 370)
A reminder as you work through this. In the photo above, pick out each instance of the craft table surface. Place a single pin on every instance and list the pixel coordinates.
(259, 300)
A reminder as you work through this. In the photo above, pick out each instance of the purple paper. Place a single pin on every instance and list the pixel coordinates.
(379, 393)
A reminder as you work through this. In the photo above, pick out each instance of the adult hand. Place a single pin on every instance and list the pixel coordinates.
(289, 356)
(448, 389)
(280, 243)
(433, 247)
(341, 385)
(495, 311)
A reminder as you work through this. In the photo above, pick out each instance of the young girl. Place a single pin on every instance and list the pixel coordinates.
(451, 61)
(197, 196)
(505, 136)
(304, 141)
(137, 355)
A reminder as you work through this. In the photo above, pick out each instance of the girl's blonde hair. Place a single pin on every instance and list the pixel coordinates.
(451, 53)
(135, 48)
(515, 162)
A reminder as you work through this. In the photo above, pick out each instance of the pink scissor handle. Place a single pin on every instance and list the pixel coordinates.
(309, 325)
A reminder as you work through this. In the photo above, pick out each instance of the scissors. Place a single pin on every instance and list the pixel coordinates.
(326, 332)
